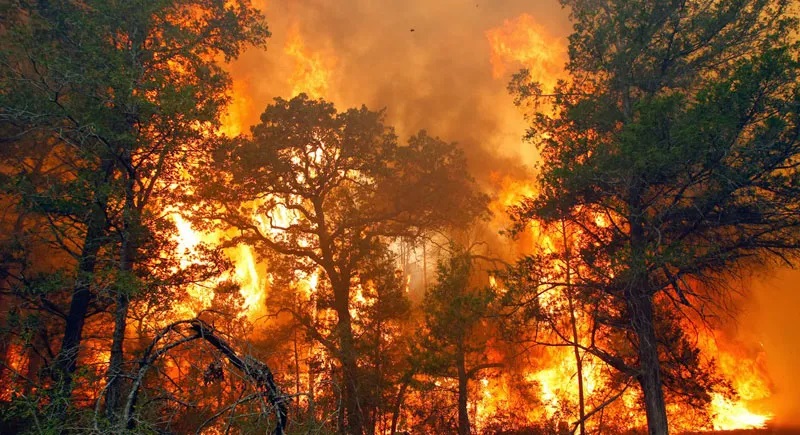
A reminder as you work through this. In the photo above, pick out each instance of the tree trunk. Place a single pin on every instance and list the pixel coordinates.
(463, 394)
(575, 335)
(354, 421)
(67, 358)
(34, 366)
(641, 307)
(130, 229)
(114, 378)
(404, 383)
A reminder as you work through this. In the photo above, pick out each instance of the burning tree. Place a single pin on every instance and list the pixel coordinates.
(322, 193)
(115, 95)
(673, 151)
(456, 311)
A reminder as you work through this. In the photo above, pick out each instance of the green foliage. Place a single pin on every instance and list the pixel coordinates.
(102, 103)
(674, 148)
(322, 193)
(456, 309)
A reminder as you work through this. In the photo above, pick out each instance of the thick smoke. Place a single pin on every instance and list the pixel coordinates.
(425, 62)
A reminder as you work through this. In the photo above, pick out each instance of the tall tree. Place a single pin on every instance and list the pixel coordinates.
(125, 90)
(673, 147)
(456, 310)
(321, 191)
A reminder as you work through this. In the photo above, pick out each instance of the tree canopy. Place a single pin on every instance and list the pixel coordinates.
(321, 191)
(116, 95)
(673, 147)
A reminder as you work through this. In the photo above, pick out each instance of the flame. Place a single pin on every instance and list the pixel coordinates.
(246, 271)
(311, 75)
(312, 71)
(252, 285)
(520, 42)
(730, 415)
(238, 110)
(524, 42)
(748, 379)
(553, 373)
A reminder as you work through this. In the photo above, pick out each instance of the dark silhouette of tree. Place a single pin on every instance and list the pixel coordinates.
(457, 310)
(123, 92)
(673, 149)
(321, 191)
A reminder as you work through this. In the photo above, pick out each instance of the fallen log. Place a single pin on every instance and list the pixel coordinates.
(258, 372)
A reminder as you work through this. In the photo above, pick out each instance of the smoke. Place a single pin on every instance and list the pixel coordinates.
(427, 63)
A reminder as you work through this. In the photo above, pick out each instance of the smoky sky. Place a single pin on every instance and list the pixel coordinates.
(425, 62)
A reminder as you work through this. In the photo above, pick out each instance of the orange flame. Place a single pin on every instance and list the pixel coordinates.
(238, 110)
(522, 42)
(312, 71)
(553, 376)
(245, 273)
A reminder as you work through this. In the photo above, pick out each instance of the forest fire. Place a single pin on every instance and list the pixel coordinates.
(182, 259)
(522, 42)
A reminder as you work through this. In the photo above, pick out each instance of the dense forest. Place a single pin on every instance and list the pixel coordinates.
(324, 271)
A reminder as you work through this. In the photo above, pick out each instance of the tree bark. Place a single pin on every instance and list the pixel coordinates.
(130, 228)
(354, 421)
(404, 383)
(649, 377)
(114, 374)
(463, 393)
(640, 306)
(67, 358)
(575, 335)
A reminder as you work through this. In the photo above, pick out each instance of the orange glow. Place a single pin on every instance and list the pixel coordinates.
(237, 111)
(312, 71)
(748, 378)
(311, 75)
(245, 273)
(523, 42)
(729, 415)
(253, 286)
(553, 375)
(519, 42)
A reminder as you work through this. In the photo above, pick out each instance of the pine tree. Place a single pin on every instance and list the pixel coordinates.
(672, 146)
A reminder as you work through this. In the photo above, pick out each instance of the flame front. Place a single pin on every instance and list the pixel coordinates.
(523, 42)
